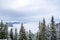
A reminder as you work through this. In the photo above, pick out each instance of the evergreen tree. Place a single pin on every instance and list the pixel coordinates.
(2, 31)
(6, 31)
(38, 37)
(53, 31)
(1, 25)
(43, 30)
(22, 33)
(11, 34)
(30, 36)
(15, 38)
(48, 32)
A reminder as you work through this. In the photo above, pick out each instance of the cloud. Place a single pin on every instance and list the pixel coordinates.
(12, 4)
(32, 10)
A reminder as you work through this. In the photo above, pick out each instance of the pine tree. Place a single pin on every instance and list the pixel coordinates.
(1, 25)
(11, 34)
(2, 31)
(15, 38)
(6, 31)
(30, 36)
(22, 33)
(48, 32)
(53, 31)
(43, 31)
(38, 37)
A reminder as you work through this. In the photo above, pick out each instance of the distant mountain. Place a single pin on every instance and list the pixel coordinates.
(10, 24)
(13, 22)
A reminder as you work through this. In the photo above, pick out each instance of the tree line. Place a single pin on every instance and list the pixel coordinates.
(42, 34)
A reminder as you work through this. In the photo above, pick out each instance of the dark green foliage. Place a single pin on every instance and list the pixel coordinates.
(53, 31)
(22, 33)
(38, 37)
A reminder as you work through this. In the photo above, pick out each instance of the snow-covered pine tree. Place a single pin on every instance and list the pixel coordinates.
(11, 34)
(43, 31)
(30, 36)
(22, 33)
(53, 31)
(48, 32)
(38, 37)
(2, 31)
(1, 27)
(6, 31)
(15, 37)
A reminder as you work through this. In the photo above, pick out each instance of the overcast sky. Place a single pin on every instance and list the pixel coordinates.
(29, 11)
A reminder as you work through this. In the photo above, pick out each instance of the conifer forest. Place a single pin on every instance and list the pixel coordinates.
(45, 31)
